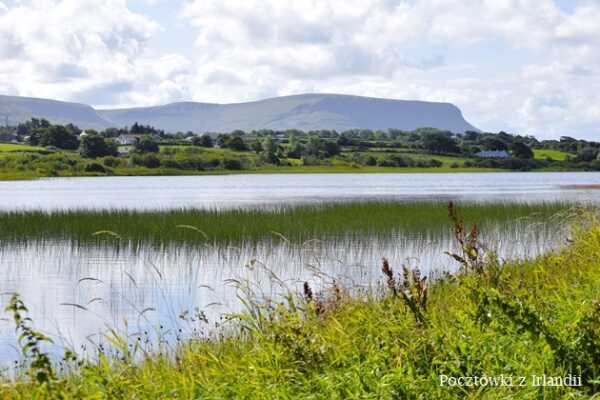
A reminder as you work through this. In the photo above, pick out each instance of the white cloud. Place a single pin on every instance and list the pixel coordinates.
(84, 50)
(519, 65)
(424, 49)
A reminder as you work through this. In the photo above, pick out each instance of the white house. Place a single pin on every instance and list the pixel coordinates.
(493, 154)
(126, 140)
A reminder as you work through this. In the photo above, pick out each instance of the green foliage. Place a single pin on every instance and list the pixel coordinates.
(95, 167)
(587, 154)
(521, 150)
(438, 141)
(538, 317)
(145, 144)
(59, 136)
(297, 223)
(93, 146)
(31, 341)
(232, 141)
(232, 164)
(203, 141)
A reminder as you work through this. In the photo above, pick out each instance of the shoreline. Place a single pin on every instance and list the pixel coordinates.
(26, 176)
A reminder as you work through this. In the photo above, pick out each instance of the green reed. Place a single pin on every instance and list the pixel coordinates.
(294, 223)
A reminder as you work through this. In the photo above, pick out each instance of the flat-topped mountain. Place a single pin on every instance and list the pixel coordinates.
(305, 112)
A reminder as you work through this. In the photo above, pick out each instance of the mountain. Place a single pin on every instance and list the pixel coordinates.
(15, 109)
(305, 112)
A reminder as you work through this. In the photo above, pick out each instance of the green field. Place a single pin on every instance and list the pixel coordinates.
(13, 147)
(557, 155)
(295, 223)
(447, 161)
(403, 338)
(30, 162)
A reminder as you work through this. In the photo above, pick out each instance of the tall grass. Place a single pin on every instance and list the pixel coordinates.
(537, 318)
(294, 223)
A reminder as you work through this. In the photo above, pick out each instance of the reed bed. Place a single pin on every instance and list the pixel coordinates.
(289, 223)
(530, 328)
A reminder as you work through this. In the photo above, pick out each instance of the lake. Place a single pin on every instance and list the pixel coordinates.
(223, 191)
(77, 292)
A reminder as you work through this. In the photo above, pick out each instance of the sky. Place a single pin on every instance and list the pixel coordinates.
(522, 66)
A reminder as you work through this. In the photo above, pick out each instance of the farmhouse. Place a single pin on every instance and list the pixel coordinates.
(493, 154)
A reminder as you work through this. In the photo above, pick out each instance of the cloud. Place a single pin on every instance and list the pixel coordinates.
(80, 50)
(526, 66)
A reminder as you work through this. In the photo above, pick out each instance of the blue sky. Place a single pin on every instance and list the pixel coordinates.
(525, 66)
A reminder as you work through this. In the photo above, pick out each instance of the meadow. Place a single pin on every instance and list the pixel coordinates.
(512, 323)
(557, 155)
(14, 147)
(290, 223)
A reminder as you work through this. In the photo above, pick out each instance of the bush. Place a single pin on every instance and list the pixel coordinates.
(314, 160)
(435, 163)
(211, 163)
(93, 146)
(171, 163)
(151, 161)
(396, 160)
(146, 144)
(112, 162)
(232, 164)
(370, 161)
(95, 167)
(203, 141)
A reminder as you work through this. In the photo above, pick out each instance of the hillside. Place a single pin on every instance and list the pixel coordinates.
(305, 112)
(14, 109)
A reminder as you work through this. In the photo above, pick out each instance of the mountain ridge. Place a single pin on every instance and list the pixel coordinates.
(310, 111)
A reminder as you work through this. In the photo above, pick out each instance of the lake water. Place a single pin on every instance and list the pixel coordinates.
(76, 293)
(224, 191)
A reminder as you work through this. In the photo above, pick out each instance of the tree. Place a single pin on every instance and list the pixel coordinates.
(237, 143)
(57, 136)
(587, 154)
(313, 146)
(521, 150)
(295, 148)
(471, 135)
(269, 152)
(146, 144)
(257, 147)
(331, 148)
(94, 145)
(203, 141)
(492, 143)
(439, 142)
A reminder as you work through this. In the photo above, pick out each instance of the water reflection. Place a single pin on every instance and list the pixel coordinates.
(76, 293)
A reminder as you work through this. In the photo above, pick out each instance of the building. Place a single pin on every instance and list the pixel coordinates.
(493, 154)
(125, 140)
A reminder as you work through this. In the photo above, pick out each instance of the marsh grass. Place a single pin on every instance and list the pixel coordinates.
(294, 223)
(528, 318)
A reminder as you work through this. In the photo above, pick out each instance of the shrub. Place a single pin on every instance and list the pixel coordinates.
(396, 160)
(93, 146)
(171, 163)
(95, 167)
(232, 164)
(370, 161)
(203, 141)
(211, 163)
(146, 144)
(151, 161)
(112, 162)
